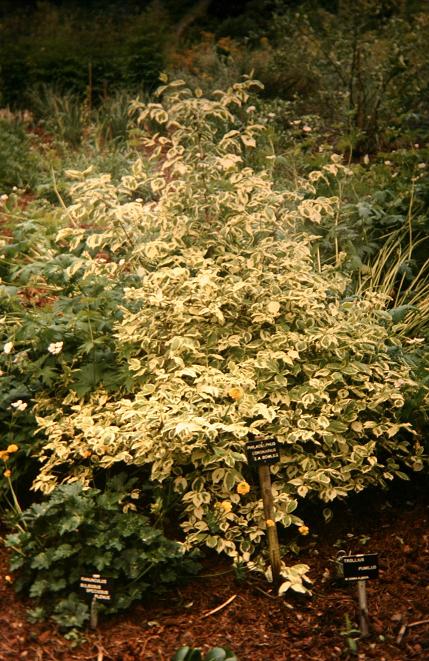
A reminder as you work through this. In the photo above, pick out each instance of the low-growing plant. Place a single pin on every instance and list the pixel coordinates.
(351, 635)
(111, 121)
(61, 115)
(76, 532)
(18, 163)
(194, 654)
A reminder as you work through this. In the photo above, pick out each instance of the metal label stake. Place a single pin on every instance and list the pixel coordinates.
(96, 586)
(94, 613)
(363, 609)
(361, 568)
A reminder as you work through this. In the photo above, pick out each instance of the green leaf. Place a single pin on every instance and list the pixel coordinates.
(70, 524)
(399, 313)
(39, 587)
(41, 561)
(187, 654)
(216, 654)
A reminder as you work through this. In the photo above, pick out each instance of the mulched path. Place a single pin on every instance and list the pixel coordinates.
(256, 625)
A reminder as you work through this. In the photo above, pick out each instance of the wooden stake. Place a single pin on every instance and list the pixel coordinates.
(363, 609)
(273, 541)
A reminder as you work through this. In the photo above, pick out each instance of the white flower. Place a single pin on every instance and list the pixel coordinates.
(4, 197)
(332, 168)
(307, 128)
(414, 340)
(8, 347)
(55, 347)
(19, 405)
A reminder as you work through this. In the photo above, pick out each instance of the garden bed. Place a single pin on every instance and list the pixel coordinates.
(255, 624)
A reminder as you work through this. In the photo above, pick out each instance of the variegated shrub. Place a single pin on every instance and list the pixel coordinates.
(230, 330)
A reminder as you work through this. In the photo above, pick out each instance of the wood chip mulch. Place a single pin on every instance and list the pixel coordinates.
(217, 608)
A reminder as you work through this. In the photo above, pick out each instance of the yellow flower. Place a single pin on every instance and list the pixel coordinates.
(226, 506)
(270, 523)
(303, 530)
(8, 579)
(7, 473)
(235, 393)
(4, 455)
(243, 488)
(12, 448)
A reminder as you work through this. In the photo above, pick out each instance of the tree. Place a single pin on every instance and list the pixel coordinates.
(360, 66)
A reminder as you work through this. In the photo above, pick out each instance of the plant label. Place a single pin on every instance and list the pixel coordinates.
(263, 451)
(96, 586)
(360, 567)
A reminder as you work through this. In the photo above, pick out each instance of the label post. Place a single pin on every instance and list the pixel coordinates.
(95, 586)
(262, 453)
(273, 540)
(360, 568)
(363, 609)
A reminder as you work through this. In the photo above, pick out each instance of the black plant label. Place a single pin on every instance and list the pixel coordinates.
(96, 586)
(360, 567)
(263, 451)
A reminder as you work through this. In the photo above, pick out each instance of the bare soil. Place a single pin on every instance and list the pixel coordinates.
(257, 625)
